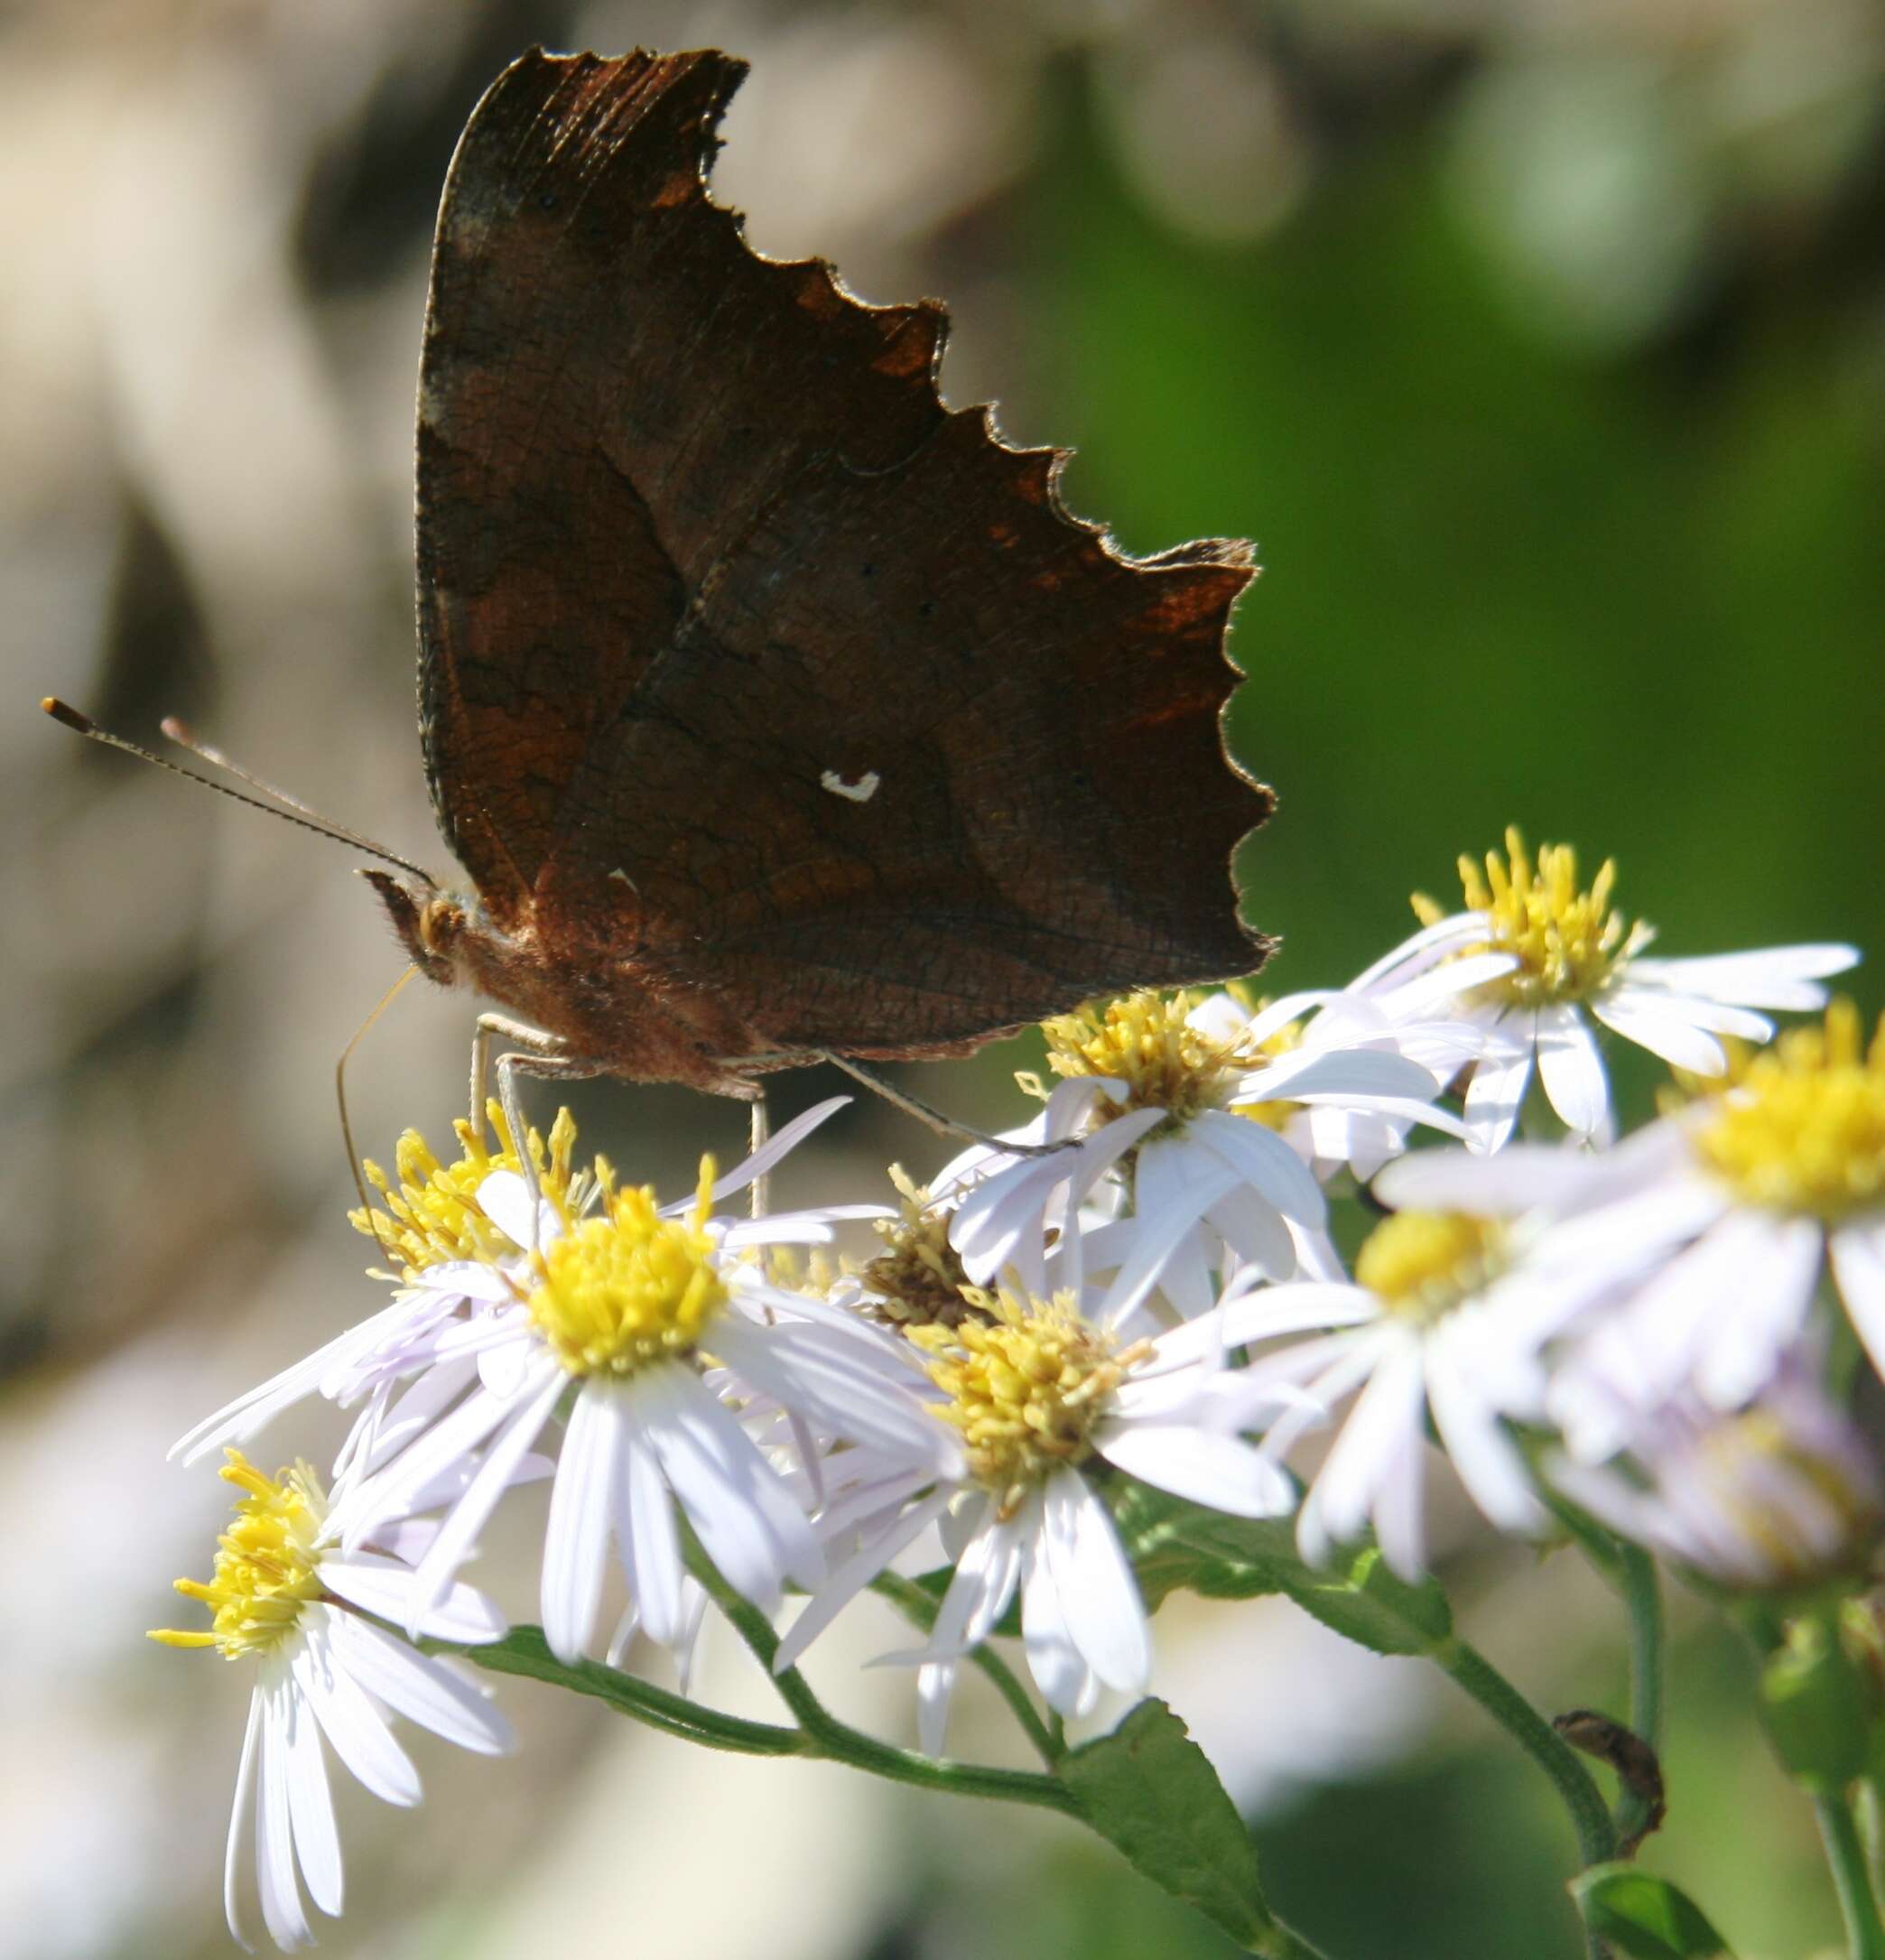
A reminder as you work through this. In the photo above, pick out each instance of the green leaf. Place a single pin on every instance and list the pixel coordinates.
(1149, 1789)
(1644, 1917)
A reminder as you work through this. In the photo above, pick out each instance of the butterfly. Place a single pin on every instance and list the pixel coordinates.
(774, 709)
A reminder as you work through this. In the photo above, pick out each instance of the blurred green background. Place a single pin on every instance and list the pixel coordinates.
(1540, 346)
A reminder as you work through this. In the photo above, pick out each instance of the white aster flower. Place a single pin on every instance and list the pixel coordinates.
(625, 1307)
(287, 1595)
(1576, 955)
(1784, 1492)
(1437, 1324)
(1203, 1096)
(1713, 1253)
(456, 1264)
(1025, 1398)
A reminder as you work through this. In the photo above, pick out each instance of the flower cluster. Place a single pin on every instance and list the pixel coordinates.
(1141, 1289)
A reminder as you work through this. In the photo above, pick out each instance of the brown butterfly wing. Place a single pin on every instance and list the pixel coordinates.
(746, 664)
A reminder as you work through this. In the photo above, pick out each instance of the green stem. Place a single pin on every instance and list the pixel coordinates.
(1865, 1934)
(839, 1742)
(1590, 1816)
(919, 1607)
(523, 1651)
(1642, 1596)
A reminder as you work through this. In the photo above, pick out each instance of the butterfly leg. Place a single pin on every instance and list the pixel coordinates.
(542, 1068)
(945, 1125)
(522, 1037)
(759, 1193)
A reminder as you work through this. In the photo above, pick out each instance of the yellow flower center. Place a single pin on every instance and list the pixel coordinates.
(1804, 1131)
(433, 1216)
(1142, 1040)
(1567, 942)
(267, 1567)
(1421, 1265)
(629, 1287)
(1025, 1386)
(917, 1278)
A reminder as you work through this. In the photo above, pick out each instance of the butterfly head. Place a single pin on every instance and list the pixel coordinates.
(431, 923)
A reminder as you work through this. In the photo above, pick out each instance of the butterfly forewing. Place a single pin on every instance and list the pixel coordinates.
(746, 669)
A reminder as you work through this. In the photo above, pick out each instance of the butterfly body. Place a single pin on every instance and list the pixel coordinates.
(771, 706)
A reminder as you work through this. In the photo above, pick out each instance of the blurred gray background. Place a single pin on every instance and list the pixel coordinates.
(1540, 344)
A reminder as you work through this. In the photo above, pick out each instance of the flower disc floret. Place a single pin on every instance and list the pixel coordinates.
(918, 1279)
(267, 1562)
(1568, 941)
(1420, 1265)
(629, 1287)
(433, 1217)
(1025, 1387)
(1804, 1132)
(1144, 1041)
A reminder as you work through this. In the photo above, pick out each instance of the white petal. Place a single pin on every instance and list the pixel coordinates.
(935, 1684)
(1521, 1177)
(1372, 1447)
(576, 1537)
(1259, 1235)
(1496, 1091)
(237, 1421)
(846, 1391)
(1489, 1464)
(458, 1532)
(1423, 949)
(1858, 1252)
(1673, 1038)
(350, 1722)
(1066, 1683)
(1217, 1471)
(239, 1814)
(1772, 977)
(503, 1198)
(1351, 1074)
(650, 1538)
(1572, 1071)
(1099, 1596)
(423, 1689)
(1265, 1162)
(1717, 1017)
(281, 1910)
(853, 1576)
(772, 1152)
(387, 1494)
(1298, 1306)
(748, 1521)
(1768, 1298)
(1160, 1233)
(384, 1587)
(310, 1807)
(1444, 983)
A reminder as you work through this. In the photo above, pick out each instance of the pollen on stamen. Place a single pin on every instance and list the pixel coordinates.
(627, 1288)
(267, 1562)
(431, 1215)
(1804, 1129)
(1025, 1386)
(1144, 1040)
(1567, 939)
(1420, 1265)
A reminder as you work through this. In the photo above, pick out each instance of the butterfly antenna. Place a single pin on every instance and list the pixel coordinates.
(353, 1156)
(288, 808)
